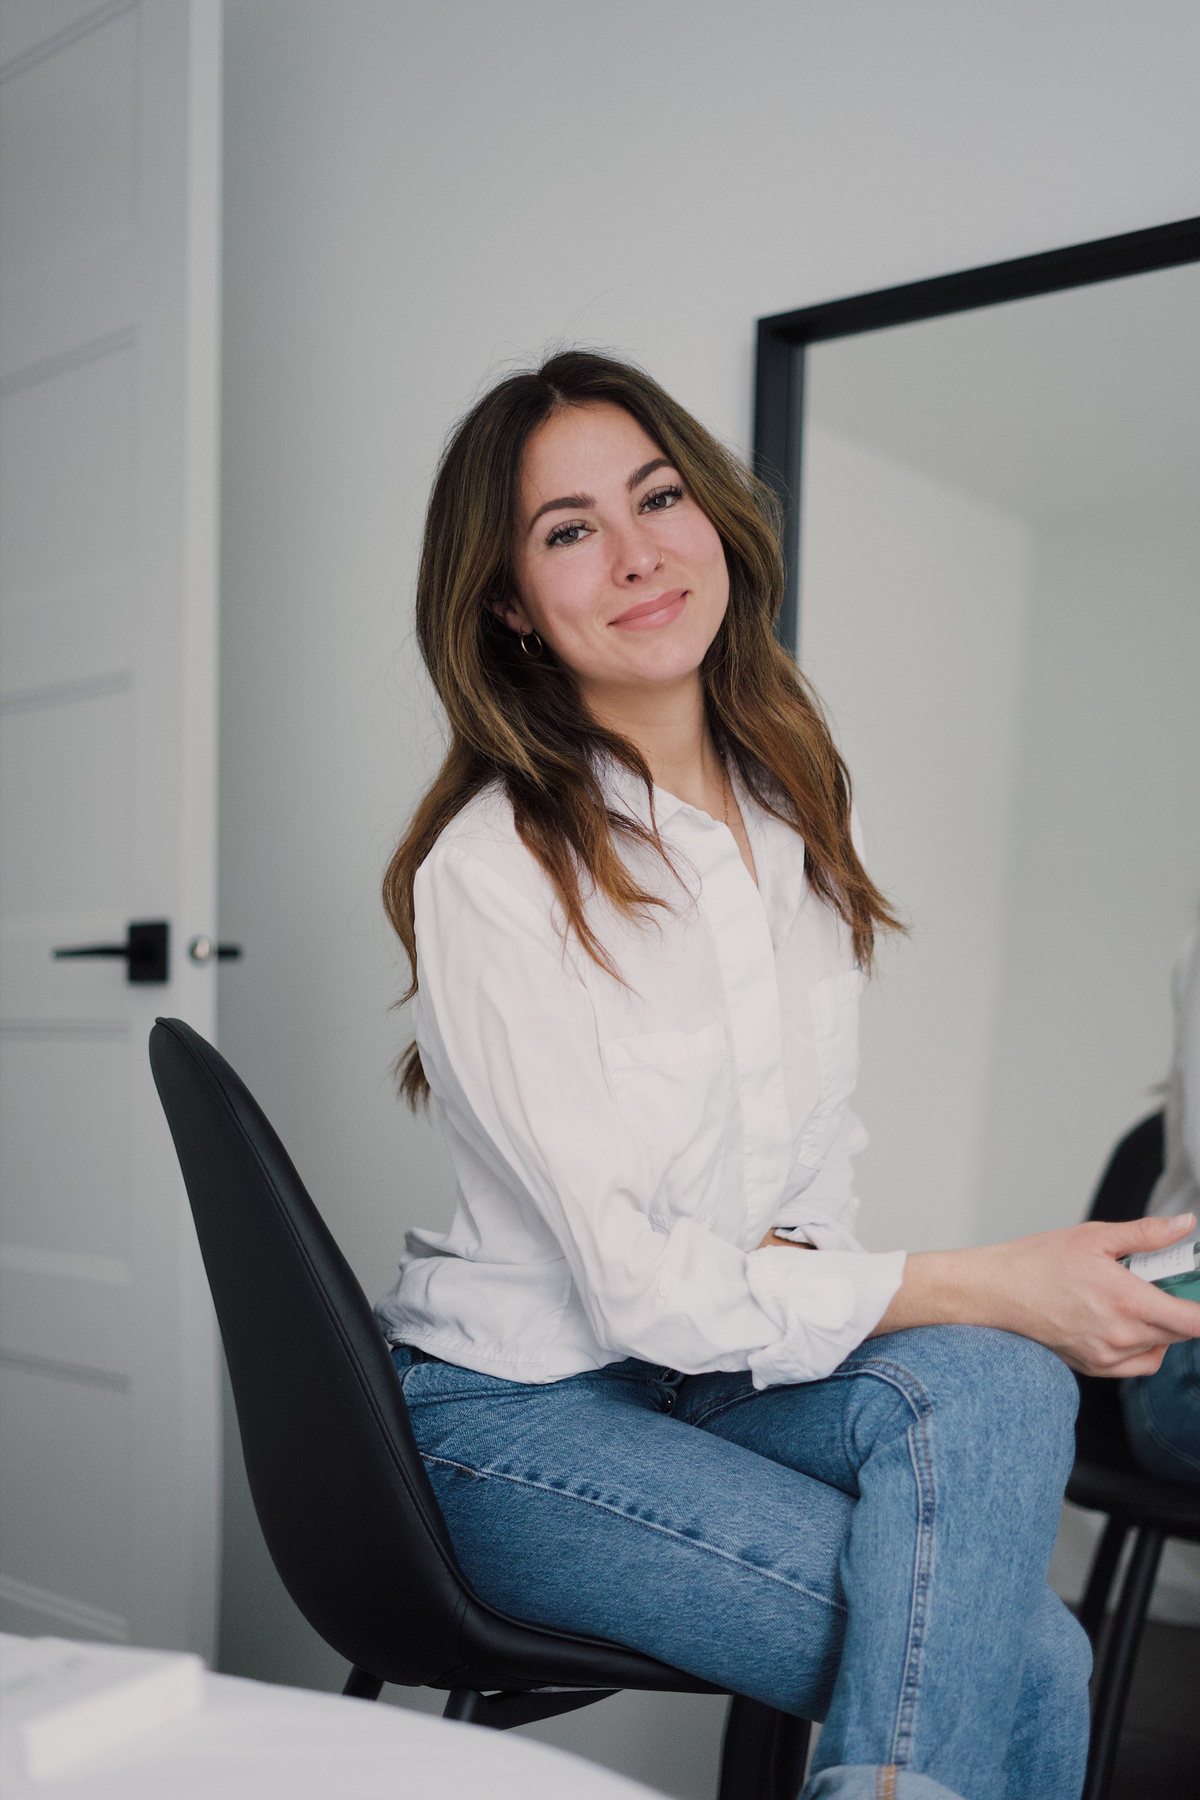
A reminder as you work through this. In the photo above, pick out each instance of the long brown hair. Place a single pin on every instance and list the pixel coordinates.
(522, 721)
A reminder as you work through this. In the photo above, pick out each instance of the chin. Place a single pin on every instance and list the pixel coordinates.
(684, 657)
(664, 663)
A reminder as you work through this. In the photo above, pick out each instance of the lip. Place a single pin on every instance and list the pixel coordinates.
(648, 615)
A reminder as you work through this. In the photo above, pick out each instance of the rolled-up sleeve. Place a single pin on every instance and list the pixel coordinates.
(508, 1038)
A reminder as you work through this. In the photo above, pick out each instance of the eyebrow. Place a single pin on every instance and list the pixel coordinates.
(581, 502)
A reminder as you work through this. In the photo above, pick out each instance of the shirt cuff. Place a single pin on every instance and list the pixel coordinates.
(823, 1303)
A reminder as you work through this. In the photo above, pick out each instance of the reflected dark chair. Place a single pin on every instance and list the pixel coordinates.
(342, 1496)
(1106, 1479)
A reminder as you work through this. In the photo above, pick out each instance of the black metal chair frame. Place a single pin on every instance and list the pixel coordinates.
(1106, 1479)
(345, 1504)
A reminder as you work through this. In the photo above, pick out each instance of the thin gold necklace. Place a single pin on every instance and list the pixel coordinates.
(725, 794)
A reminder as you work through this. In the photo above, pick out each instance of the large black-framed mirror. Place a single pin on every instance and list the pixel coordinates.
(992, 488)
(783, 340)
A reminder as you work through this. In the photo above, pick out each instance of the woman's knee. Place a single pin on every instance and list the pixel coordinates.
(1029, 1381)
(1048, 1747)
(988, 1387)
(1058, 1664)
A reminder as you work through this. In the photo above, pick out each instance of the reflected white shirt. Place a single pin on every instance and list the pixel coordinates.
(1178, 1187)
(622, 1147)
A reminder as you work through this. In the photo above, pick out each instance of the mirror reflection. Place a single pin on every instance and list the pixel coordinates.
(1000, 564)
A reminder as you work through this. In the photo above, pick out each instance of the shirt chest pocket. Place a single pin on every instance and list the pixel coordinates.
(675, 1094)
(834, 1008)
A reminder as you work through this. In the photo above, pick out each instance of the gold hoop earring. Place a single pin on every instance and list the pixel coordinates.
(531, 654)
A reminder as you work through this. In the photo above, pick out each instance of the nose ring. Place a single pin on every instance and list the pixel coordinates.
(661, 560)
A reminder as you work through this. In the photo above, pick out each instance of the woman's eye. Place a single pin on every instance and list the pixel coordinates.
(566, 534)
(661, 498)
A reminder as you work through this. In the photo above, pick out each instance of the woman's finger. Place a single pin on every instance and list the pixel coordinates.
(1178, 1320)
(1148, 1363)
(1131, 1235)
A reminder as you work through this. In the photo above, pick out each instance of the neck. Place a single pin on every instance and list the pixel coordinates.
(667, 725)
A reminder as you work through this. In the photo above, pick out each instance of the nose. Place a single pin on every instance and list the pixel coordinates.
(635, 559)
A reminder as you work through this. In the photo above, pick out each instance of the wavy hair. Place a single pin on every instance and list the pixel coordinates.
(521, 721)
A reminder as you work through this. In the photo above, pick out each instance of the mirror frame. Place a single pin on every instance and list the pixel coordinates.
(784, 337)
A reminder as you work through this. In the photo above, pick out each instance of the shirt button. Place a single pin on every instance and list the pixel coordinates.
(664, 1288)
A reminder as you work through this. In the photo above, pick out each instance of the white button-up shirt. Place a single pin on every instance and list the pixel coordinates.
(622, 1146)
(1178, 1187)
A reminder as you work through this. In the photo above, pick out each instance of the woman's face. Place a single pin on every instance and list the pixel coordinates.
(617, 569)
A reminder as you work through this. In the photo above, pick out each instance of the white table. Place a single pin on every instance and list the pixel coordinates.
(255, 1742)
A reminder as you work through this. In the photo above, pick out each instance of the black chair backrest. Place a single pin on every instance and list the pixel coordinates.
(341, 1494)
(1134, 1167)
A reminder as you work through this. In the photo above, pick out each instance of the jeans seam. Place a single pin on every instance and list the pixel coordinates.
(1168, 1445)
(910, 1681)
(918, 1399)
(1147, 1423)
(704, 1415)
(797, 1587)
(899, 1378)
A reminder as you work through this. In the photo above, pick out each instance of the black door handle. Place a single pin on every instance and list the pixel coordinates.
(145, 950)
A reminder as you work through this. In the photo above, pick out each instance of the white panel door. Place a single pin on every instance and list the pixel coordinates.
(109, 259)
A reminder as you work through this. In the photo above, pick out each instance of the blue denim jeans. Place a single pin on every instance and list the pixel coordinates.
(870, 1550)
(1162, 1415)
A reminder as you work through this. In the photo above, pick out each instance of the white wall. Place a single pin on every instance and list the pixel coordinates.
(913, 618)
(416, 193)
(1104, 871)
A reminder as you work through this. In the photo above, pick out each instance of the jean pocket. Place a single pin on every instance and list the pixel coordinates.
(407, 1364)
(432, 1382)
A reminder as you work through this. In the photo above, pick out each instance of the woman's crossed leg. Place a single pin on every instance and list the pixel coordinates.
(870, 1549)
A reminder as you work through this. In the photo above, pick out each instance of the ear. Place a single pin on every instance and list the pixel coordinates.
(513, 614)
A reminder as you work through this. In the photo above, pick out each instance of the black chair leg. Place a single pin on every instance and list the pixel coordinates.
(362, 1686)
(463, 1704)
(501, 1711)
(763, 1754)
(1120, 1655)
(1100, 1578)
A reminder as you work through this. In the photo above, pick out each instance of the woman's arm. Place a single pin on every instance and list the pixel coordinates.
(509, 1039)
(1064, 1289)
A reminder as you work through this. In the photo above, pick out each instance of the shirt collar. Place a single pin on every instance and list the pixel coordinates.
(778, 850)
(625, 792)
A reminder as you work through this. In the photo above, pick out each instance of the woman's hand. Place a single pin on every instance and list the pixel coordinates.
(1064, 1289)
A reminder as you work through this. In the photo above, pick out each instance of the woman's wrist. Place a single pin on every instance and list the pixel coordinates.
(943, 1287)
(1065, 1289)
(773, 1241)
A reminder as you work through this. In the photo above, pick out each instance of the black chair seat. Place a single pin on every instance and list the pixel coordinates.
(1125, 1493)
(341, 1493)
(499, 1652)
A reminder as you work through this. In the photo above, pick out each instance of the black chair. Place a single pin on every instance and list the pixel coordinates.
(1106, 1479)
(342, 1496)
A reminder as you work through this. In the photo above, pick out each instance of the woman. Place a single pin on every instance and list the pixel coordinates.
(649, 1358)
(1162, 1411)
